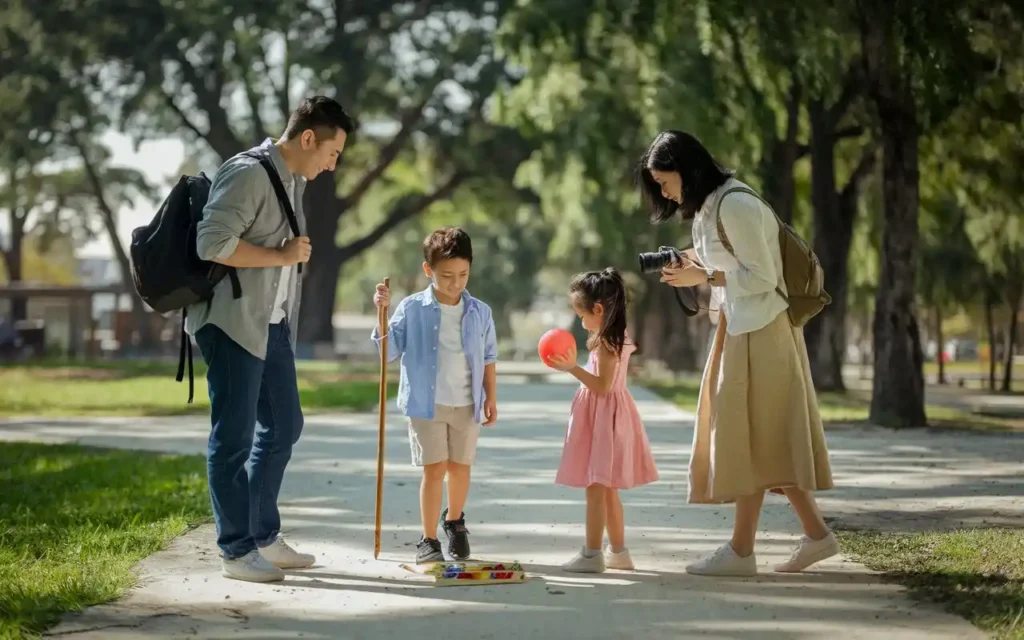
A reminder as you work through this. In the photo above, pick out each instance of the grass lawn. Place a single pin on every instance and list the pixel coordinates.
(149, 388)
(976, 574)
(74, 520)
(848, 407)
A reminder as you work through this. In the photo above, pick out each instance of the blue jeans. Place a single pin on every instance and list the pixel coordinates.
(256, 418)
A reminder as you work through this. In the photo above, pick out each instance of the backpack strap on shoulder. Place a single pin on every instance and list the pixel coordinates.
(725, 239)
(282, 195)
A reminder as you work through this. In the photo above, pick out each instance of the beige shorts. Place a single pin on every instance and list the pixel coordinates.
(451, 435)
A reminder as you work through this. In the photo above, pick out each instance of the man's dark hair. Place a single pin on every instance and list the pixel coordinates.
(447, 243)
(321, 114)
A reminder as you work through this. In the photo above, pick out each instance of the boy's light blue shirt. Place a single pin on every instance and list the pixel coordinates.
(413, 335)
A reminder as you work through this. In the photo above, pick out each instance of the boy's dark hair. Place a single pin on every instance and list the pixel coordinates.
(607, 289)
(684, 154)
(447, 243)
(321, 114)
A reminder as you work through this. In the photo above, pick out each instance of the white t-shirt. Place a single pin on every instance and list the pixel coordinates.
(454, 385)
(279, 313)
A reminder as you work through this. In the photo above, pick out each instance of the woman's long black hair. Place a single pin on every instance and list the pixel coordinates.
(700, 172)
(607, 288)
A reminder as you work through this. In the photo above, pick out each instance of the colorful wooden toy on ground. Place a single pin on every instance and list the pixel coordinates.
(448, 574)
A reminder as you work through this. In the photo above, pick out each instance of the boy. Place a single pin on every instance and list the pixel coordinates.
(447, 343)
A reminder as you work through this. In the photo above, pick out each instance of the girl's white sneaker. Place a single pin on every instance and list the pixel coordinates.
(582, 564)
(620, 561)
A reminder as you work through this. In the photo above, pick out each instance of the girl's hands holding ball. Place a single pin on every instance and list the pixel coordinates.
(565, 361)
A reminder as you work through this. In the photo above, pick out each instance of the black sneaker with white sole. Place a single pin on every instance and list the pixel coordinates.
(458, 536)
(428, 550)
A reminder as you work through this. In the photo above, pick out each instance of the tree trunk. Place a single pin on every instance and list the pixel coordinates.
(834, 215)
(937, 319)
(990, 327)
(323, 210)
(1013, 298)
(826, 333)
(14, 262)
(897, 398)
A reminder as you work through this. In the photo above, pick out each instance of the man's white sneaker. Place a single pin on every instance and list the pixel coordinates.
(583, 564)
(620, 561)
(281, 555)
(252, 567)
(725, 562)
(810, 552)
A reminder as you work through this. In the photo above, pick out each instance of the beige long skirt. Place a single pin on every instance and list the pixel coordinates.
(758, 427)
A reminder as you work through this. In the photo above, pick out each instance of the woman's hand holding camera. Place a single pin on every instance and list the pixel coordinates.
(689, 273)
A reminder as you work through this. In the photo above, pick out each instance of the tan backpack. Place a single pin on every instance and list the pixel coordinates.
(801, 270)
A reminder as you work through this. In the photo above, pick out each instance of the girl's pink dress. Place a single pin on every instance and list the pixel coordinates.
(606, 442)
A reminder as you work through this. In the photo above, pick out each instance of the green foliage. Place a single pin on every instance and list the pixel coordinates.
(974, 160)
(950, 271)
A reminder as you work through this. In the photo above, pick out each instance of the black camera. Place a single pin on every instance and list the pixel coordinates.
(654, 261)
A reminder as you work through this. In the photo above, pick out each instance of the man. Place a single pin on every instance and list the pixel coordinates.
(247, 342)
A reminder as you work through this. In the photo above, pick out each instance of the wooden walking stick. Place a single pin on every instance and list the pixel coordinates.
(382, 323)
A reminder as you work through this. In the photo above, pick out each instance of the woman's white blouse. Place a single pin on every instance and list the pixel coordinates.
(748, 299)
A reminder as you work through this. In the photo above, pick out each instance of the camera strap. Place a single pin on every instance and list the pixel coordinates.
(689, 309)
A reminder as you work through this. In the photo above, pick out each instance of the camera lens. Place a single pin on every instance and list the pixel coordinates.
(653, 261)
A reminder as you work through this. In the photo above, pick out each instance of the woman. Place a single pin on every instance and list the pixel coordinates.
(758, 428)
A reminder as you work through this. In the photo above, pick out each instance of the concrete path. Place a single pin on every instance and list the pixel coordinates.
(517, 513)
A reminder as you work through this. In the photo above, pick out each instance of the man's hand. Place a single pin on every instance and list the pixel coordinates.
(296, 250)
(490, 411)
(382, 297)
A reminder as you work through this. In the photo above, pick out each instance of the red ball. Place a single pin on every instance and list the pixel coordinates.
(555, 342)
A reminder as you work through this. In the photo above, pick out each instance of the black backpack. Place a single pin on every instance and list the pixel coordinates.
(166, 269)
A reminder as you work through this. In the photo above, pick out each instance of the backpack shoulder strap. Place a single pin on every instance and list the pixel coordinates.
(282, 195)
(721, 227)
(718, 216)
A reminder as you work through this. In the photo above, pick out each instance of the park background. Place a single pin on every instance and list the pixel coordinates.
(888, 133)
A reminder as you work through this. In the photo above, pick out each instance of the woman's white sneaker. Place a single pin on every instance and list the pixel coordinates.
(252, 567)
(620, 561)
(725, 562)
(810, 552)
(283, 556)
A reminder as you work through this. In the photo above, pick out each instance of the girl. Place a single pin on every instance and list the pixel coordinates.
(606, 447)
